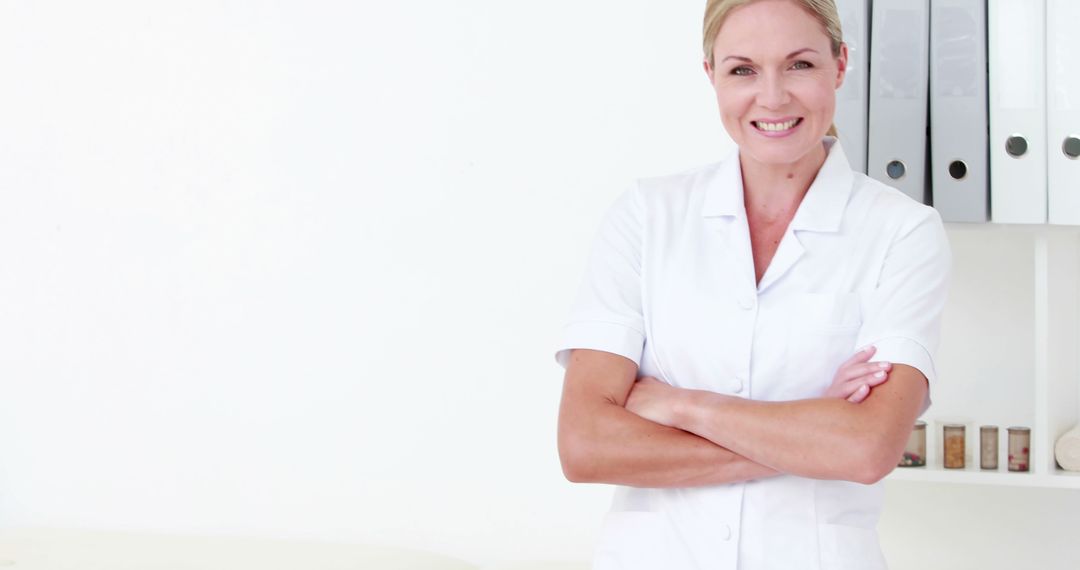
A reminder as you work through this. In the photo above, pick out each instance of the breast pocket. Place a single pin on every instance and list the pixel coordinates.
(633, 540)
(845, 547)
(822, 329)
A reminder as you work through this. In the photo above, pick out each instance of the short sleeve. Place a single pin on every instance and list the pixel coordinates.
(606, 314)
(902, 315)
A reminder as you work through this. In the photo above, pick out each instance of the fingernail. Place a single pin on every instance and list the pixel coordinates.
(880, 374)
(883, 364)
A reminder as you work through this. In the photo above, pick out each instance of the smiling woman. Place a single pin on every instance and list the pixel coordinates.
(777, 97)
(712, 363)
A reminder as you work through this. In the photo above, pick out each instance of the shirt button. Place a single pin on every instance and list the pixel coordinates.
(725, 532)
(736, 385)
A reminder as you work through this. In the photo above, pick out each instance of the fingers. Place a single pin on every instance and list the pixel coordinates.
(859, 394)
(876, 377)
(856, 376)
(865, 370)
(860, 386)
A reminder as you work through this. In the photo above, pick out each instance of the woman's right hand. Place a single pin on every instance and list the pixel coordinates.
(856, 376)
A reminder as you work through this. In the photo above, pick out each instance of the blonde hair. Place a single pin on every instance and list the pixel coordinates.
(716, 11)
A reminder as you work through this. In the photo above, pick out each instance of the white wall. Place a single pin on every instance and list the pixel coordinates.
(297, 269)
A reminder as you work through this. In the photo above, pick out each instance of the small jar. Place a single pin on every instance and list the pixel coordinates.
(1019, 448)
(954, 446)
(988, 447)
(915, 451)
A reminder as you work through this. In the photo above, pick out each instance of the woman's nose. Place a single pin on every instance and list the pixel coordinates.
(773, 92)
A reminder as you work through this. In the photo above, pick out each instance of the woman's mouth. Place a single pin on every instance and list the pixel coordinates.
(777, 128)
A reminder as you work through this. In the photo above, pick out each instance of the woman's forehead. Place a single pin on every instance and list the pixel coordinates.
(765, 18)
(769, 28)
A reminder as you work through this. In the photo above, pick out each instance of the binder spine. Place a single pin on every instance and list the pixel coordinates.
(899, 77)
(1063, 111)
(958, 110)
(1018, 181)
(852, 103)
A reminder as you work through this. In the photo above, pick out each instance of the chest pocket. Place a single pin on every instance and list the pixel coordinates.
(822, 328)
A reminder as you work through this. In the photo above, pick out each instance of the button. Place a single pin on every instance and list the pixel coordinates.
(957, 169)
(725, 532)
(1016, 146)
(1071, 147)
(895, 169)
(736, 385)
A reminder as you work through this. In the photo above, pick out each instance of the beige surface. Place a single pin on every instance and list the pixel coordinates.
(56, 549)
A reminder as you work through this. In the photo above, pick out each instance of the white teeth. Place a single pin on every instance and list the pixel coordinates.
(774, 127)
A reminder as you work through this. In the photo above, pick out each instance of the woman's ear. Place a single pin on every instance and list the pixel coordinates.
(841, 65)
(708, 70)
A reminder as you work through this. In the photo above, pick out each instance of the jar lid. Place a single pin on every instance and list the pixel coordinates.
(1019, 428)
(920, 425)
(961, 426)
(988, 428)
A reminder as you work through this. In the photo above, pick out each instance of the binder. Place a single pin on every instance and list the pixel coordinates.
(1017, 55)
(959, 160)
(1063, 111)
(899, 77)
(852, 102)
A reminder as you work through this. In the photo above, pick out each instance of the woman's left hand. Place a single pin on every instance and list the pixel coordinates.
(655, 401)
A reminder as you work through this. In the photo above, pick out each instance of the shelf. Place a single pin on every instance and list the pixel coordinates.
(1009, 352)
(1039, 229)
(1059, 479)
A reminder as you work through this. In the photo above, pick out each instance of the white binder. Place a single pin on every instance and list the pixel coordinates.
(851, 99)
(899, 74)
(959, 161)
(1063, 111)
(1017, 53)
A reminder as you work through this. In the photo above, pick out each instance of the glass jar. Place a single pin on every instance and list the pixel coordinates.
(954, 446)
(915, 451)
(1019, 448)
(988, 447)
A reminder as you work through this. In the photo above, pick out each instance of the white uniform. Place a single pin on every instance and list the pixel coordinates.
(670, 284)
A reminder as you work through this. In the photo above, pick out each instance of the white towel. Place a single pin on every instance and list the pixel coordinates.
(1067, 449)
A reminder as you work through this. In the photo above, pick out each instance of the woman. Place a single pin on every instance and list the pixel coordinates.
(709, 360)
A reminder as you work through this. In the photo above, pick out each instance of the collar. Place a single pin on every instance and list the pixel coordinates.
(822, 206)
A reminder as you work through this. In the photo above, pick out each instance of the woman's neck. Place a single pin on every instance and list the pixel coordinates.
(772, 192)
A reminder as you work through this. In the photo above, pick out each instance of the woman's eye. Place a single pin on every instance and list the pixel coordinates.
(741, 70)
(806, 63)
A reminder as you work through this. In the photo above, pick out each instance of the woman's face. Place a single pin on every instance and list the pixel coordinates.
(775, 80)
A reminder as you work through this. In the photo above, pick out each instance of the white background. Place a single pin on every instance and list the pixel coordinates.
(297, 269)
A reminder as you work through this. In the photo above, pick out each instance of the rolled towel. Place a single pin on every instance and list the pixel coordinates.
(1067, 449)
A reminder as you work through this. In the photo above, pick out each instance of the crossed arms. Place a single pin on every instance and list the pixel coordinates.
(705, 438)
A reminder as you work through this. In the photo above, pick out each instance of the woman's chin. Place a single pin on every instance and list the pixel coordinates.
(776, 151)
(772, 154)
